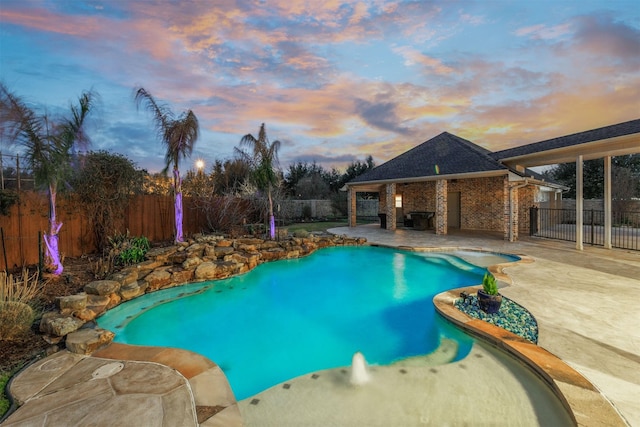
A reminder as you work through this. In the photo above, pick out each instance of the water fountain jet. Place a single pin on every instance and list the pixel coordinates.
(359, 373)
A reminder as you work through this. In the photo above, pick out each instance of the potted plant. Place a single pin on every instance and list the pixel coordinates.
(489, 299)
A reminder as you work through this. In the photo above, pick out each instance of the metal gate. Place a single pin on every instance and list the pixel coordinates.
(560, 224)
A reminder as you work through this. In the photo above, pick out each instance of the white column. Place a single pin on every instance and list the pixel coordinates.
(607, 202)
(579, 204)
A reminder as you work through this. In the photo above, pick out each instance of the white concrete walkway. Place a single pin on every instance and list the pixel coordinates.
(587, 303)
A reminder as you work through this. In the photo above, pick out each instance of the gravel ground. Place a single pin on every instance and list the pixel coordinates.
(511, 316)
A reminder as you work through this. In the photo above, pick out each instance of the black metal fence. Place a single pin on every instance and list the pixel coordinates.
(560, 224)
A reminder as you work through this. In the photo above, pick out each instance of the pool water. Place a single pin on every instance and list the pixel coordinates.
(288, 318)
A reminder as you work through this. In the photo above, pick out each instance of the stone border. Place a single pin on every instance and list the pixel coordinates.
(202, 258)
(584, 402)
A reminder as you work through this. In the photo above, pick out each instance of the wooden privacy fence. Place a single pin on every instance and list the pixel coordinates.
(146, 215)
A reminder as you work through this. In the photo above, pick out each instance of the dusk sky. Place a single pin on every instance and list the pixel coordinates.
(334, 81)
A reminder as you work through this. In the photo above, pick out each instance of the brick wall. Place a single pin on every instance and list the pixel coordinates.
(481, 203)
(526, 199)
(484, 202)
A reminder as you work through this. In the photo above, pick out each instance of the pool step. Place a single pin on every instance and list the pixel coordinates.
(445, 353)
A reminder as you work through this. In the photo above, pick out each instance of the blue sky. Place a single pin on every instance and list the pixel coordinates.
(334, 81)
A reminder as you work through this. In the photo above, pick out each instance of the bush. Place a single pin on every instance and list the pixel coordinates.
(127, 250)
(306, 212)
(16, 296)
(16, 319)
(301, 233)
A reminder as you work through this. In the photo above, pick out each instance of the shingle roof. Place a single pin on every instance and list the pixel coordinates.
(606, 132)
(451, 154)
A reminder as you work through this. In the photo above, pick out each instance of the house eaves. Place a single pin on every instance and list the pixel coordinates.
(445, 155)
(468, 175)
(615, 140)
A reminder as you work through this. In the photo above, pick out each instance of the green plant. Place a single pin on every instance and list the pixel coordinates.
(126, 250)
(489, 284)
(135, 252)
(4, 400)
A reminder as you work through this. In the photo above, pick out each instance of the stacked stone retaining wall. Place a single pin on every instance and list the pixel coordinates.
(200, 259)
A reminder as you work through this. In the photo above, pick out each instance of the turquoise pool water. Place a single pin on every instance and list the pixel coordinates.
(289, 318)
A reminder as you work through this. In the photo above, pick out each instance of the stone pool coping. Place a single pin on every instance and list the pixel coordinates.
(585, 403)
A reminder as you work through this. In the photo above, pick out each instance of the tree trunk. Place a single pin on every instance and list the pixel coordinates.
(177, 187)
(51, 238)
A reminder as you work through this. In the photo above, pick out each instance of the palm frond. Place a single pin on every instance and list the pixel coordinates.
(161, 113)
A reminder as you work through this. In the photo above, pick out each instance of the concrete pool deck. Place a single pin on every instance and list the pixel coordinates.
(584, 303)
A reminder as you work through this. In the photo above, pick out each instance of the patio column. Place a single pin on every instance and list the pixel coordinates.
(390, 208)
(607, 202)
(351, 206)
(441, 206)
(579, 204)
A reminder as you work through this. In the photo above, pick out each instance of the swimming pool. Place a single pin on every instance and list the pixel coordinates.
(288, 318)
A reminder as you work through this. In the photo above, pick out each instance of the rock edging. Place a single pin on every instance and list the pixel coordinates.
(202, 258)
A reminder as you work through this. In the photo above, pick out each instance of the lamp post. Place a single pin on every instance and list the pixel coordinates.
(200, 165)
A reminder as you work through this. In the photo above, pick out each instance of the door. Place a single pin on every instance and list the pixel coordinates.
(453, 209)
(399, 214)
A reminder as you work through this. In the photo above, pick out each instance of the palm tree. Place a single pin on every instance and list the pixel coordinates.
(179, 135)
(49, 150)
(263, 159)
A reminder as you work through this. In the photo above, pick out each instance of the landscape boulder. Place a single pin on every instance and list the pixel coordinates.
(102, 287)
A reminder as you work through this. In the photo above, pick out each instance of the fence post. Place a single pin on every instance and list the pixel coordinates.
(18, 172)
(4, 251)
(40, 260)
(1, 172)
(592, 228)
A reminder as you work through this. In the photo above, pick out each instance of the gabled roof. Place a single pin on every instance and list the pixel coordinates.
(445, 154)
(603, 133)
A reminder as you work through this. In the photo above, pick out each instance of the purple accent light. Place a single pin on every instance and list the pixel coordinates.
(272, 227)
(52, 251)
(178, 205)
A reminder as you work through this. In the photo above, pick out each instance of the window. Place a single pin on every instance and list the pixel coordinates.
(398, 200)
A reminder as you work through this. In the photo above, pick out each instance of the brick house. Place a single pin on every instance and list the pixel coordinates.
(450, 182)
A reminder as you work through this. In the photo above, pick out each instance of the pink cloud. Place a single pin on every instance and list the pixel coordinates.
(415, 57)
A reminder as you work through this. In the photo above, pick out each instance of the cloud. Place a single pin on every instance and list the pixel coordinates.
(544, 32)
(605, 38)
(414, 57)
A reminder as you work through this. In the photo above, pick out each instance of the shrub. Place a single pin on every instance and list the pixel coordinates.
(125, 250)
(489, 284)
(306, 212)
(301, 233)
(16, 295)
(16, 319)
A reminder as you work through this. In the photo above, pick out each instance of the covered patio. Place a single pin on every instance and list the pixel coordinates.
(450, 183)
